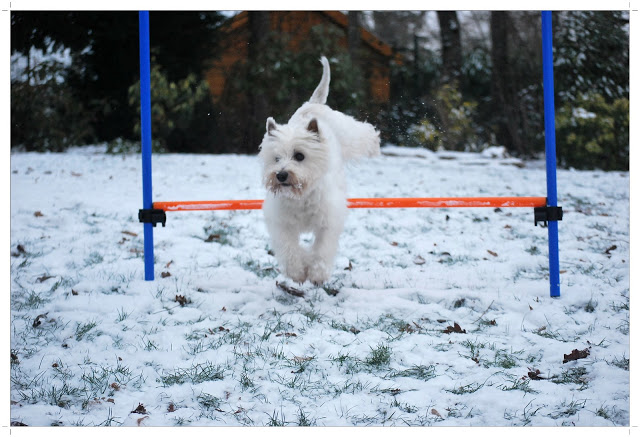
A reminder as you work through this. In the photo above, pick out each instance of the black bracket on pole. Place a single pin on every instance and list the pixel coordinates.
(153, 216)
(546, 214)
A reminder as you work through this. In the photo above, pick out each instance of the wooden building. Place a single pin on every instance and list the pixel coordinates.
(376, 56)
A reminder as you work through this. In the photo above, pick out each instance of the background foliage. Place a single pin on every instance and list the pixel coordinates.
(488, 92)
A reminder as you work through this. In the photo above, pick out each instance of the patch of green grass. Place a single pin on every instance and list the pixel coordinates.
(303, 418)
(195, 374)
(122, 315)
(622, 362)
(312, 315)
(93, 259)
(506, 360)
(351, 364)
(474, 350)
(31, 301)
(83, 329)
(590, 307)
(533, 250)
(208, 401)
(575, 375)
(466, 389)
(424, 373)
(276, 420)
(344, 327)
(568, 409)
(515, 383)
(379, 356)
(261, 271)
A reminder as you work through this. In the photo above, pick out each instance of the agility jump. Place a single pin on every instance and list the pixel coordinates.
(546, 210)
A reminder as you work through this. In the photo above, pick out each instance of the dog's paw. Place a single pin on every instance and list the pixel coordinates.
(319, 273)
(298, 274)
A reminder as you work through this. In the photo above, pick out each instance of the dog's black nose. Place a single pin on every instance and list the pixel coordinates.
(282, 176)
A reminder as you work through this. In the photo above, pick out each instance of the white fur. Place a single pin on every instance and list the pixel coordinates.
(312, 198)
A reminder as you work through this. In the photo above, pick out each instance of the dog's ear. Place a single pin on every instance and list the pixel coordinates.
(313, 126)
(271, 125)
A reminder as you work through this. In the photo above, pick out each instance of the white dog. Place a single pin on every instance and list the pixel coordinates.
(304, 175)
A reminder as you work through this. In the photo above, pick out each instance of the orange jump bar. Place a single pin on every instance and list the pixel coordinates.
(402, 202)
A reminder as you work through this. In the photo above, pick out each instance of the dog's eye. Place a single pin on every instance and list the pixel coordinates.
(277, 159)
(298, 157)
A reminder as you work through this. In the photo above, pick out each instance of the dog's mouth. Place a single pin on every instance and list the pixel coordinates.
(292, 187)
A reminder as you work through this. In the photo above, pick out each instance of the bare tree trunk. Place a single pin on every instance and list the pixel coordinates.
(353, 36)
(504, 96)
(451, 46)
(257, 110)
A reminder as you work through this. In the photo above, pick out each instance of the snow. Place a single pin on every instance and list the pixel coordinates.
(582, 113)
(216, 340)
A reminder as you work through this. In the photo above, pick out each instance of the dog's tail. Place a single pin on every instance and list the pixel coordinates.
(322, 90)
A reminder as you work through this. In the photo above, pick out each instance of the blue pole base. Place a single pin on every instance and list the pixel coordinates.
(148, 252)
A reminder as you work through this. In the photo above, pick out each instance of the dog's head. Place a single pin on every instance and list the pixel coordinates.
(294, 157)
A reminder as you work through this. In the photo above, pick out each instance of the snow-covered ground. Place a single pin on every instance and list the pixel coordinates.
(432, 316)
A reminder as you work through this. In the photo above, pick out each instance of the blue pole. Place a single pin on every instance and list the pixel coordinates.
(550, 149)
(145, 123)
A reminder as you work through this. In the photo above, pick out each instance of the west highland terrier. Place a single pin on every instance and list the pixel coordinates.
(304, 175)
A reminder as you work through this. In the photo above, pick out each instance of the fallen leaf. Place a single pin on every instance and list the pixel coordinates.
(73, 173)
(350, 267)
(535, 375)
(301, 359)
(75, 293)
(331, 291)
(435, 413)
(407, 328)
(608, 251)
(141, 419)
(15, 423)
(419, 260)
(140, 409)
(171, 408)
(131, 234)
(165, 274)
(38, 214)
(20, 250)
(212, 238)
(115, 386)
(168, 264)
(111, 400)
(394, 243)
(43, 278)
(491, 252)
(37, 322)
(455, 328)
(290, 290)
(575, 355)
(182, 300)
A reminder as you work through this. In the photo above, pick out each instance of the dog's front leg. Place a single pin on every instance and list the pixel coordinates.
(323, 253)
(290, 255)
